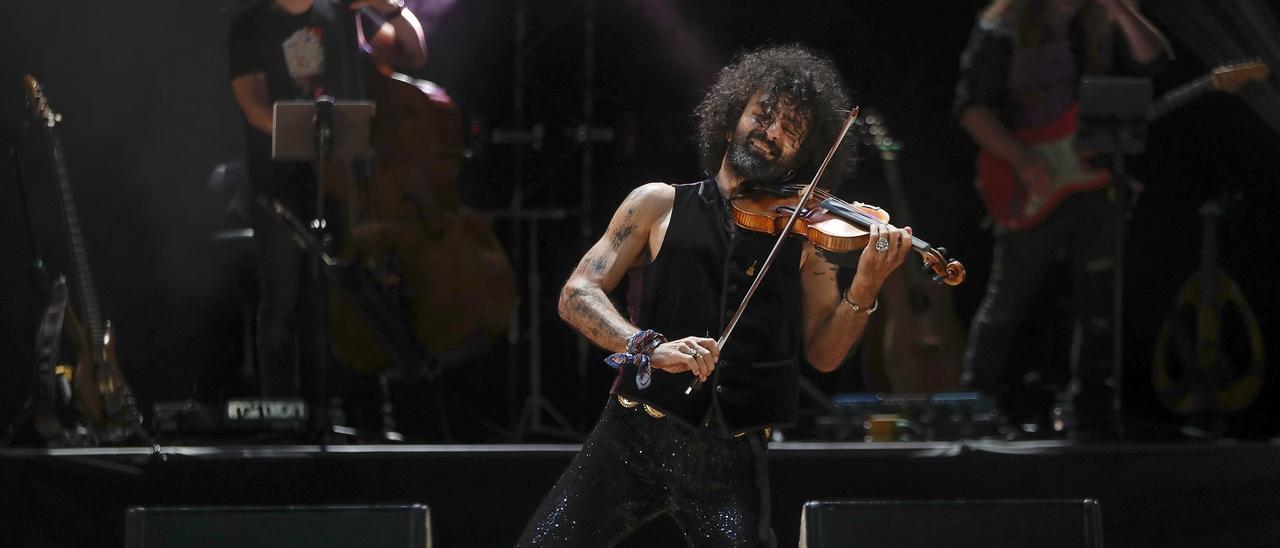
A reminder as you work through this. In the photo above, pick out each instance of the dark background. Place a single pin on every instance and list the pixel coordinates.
(148, 113)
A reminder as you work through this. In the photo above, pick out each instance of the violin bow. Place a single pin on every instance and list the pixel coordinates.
(782, 236)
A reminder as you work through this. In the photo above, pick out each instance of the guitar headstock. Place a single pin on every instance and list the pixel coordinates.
(1229, 78)
(38, 103)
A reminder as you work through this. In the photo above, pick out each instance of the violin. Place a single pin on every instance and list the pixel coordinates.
(828, 222)
(832, 225)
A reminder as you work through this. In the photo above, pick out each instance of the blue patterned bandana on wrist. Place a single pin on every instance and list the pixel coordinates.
(640, 347)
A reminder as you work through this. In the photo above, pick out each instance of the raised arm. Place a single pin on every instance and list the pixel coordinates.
(400, 41)
(1145, 40)
(831, 323)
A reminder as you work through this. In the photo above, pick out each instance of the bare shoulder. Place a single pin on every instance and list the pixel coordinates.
(651, 199)
(634, 222)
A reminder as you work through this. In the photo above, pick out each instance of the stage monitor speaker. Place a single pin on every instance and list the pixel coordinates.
(880, 523)
(279, 526)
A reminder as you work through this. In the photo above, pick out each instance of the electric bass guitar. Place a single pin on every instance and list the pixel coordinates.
(1015, 207)
(102, 396)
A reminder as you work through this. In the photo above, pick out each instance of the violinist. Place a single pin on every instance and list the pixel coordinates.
(698, 454)
(288, 50)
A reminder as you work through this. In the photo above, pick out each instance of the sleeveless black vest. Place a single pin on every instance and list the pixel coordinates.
(692, 288)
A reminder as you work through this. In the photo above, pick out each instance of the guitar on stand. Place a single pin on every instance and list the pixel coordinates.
(48, 409)
(101, 394)
(922, 342)
(53, 413)
(1015, 207)
(1209, 354)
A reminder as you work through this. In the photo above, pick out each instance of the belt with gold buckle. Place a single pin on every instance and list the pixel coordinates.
(655, 413)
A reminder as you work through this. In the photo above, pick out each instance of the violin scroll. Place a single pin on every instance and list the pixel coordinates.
(948, 271)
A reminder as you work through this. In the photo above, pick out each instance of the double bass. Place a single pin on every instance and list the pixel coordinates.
(407, 241)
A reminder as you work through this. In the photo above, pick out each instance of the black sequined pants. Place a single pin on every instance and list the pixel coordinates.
(634, 468)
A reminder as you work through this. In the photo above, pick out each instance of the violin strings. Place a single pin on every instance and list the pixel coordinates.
(850, 213)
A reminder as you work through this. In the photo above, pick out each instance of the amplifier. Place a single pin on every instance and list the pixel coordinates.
(188, 417)
(407, 526)
(265, 414)
(942, 416)
(1071, 523)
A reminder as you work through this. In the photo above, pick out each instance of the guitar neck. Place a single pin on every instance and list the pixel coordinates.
(75, 242)
(893, 179)
(1179, 97)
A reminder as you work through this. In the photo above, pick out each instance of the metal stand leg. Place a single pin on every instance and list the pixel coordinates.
(1122, 196)
(535, 405)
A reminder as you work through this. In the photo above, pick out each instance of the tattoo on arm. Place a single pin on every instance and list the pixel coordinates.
(585, 309)
(598, 265)
(625, 230)
(584, 301)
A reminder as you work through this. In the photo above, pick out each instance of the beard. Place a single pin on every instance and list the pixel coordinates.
(755, 168)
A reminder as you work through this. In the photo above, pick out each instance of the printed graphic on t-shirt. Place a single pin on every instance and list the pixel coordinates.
(304, 57)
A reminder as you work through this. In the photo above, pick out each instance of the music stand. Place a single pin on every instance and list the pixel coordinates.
(298, 125)
(318, 131)
(1113, 120)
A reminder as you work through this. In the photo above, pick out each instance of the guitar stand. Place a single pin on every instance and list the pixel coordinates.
(1114, 111)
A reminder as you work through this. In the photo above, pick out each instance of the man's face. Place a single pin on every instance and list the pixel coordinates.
(767, 139)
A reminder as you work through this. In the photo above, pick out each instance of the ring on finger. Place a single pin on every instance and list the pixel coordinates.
(882, 244)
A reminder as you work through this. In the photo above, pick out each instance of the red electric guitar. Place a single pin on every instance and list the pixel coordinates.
(1012, 206)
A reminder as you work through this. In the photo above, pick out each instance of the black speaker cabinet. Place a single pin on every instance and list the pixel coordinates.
(279, 526)
(881, 524)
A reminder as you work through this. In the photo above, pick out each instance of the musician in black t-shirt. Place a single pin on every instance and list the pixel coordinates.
(283, 50)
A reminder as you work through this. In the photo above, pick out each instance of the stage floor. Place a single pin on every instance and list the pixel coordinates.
(1219, 494)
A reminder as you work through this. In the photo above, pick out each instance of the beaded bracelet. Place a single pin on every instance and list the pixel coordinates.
(640, 347)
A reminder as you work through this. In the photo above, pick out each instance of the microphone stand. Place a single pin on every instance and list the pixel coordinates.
(323, 138)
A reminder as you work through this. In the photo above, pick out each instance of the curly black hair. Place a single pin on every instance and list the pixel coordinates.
(810, 80)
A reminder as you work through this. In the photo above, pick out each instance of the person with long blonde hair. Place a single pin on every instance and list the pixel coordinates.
(1020, 74)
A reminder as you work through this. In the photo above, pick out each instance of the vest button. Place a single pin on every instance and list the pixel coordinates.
(720, 389)
(733, 288)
